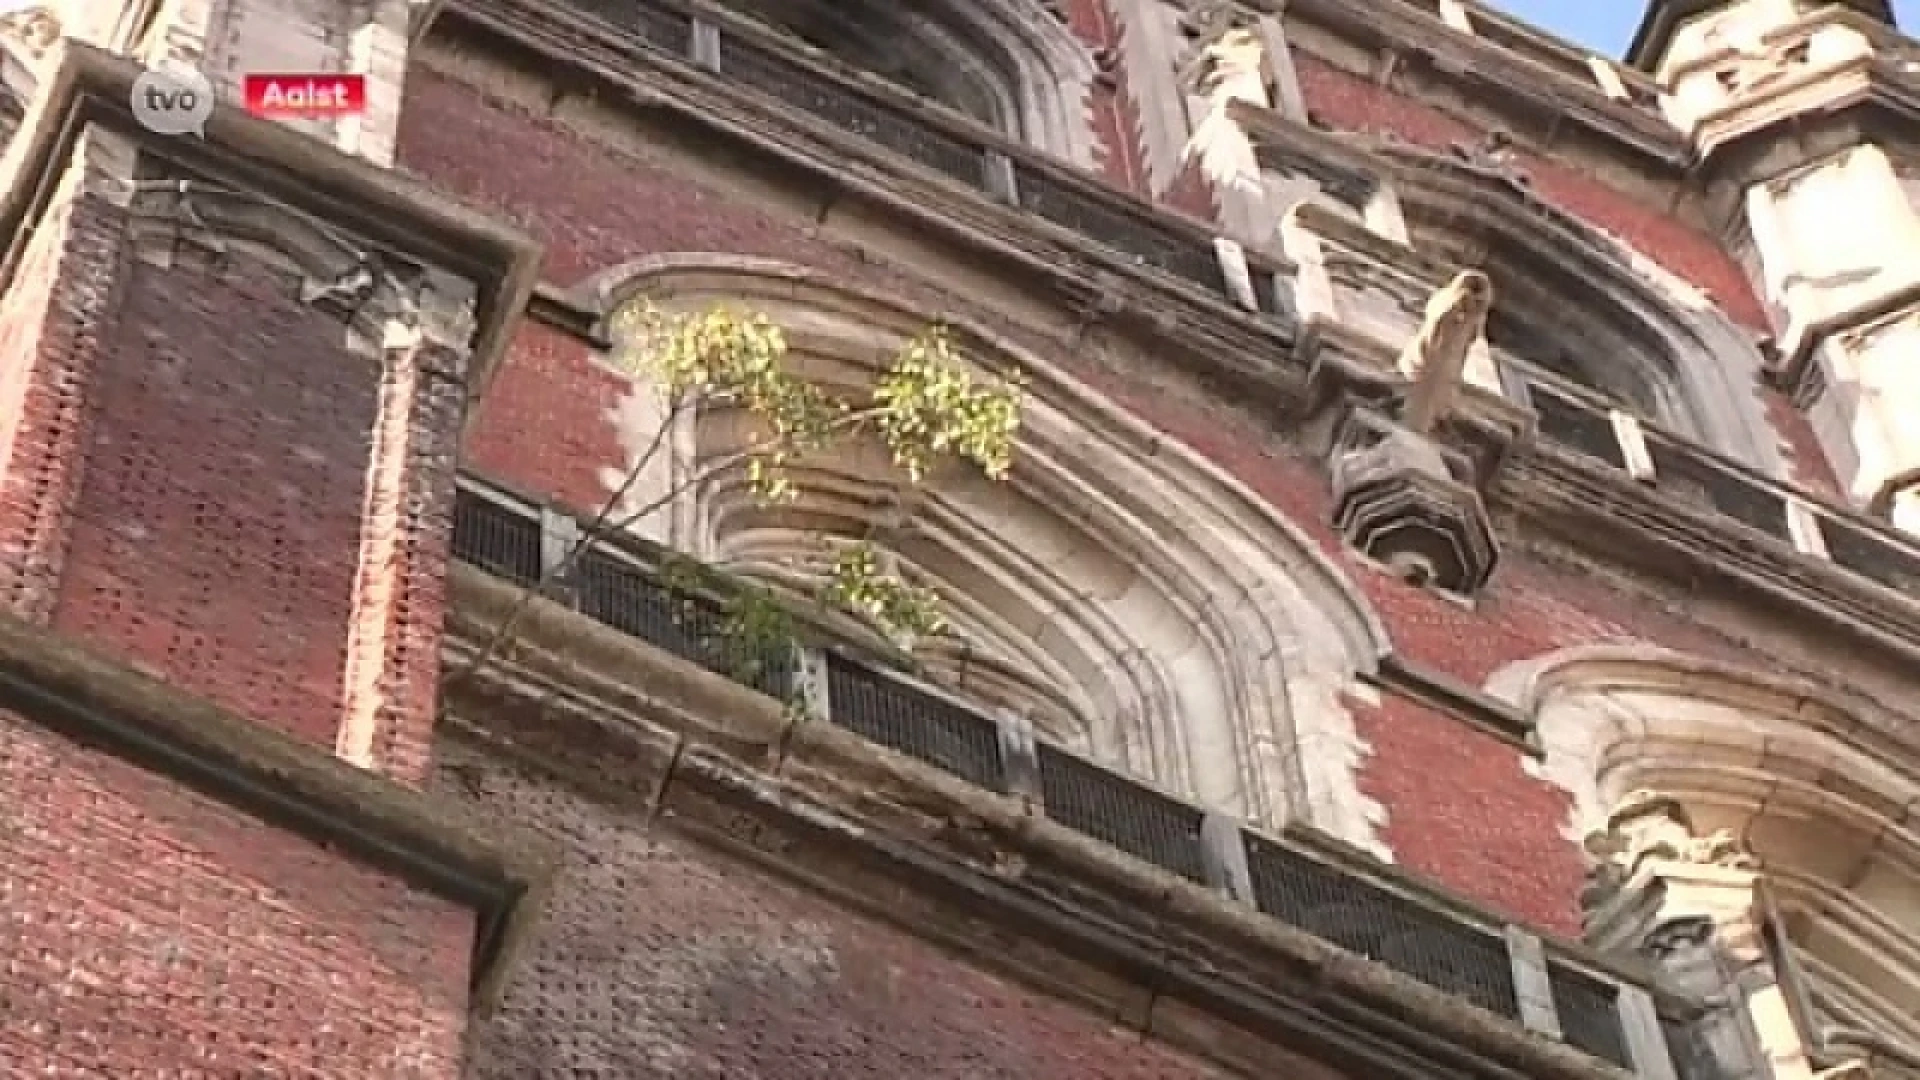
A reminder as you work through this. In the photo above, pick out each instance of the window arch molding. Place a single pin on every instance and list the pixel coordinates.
(1010, 64)
(1809, 786)
(1612, 313)
(1148, 607)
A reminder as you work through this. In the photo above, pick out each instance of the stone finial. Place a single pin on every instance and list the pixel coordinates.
(1436, 359)
(32, 29)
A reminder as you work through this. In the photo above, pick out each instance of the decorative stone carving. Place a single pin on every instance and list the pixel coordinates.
(385, 301)
(1436, 359)
(1231, 69)
(1400, 499)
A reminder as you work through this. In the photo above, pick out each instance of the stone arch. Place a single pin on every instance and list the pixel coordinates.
(1587, 307)
(1146, 607)
(1809, 787)
(1011, 64)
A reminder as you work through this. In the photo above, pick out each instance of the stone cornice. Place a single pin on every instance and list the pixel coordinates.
(619, 720)
(377, 206)
(1499, 80)
(1590, 506)
(1884, 109)
(1438, 690)
(1664, 18)
(56, 683)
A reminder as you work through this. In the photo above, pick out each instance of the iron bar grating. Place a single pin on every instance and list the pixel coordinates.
(688, 625)
(1577, 427)
(652, 23)
(920, 725)
(826, 99)
(1107, 806)
(1143, 240)
(496, 539)
(1726, 492)
(1383, 926)
(1881, 559)
(1589, 1015)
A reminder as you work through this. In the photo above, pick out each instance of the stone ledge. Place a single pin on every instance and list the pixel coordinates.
(971, 870)
(89, 86)
(1588, 507)
(1438, 690)
(98, 702)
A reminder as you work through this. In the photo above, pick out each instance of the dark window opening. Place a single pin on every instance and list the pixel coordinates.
(915, 44)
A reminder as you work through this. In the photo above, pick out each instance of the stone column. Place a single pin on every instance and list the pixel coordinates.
(233, 373)
(1692, 905)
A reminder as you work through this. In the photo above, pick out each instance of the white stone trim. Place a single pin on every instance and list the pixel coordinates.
(1151, 52)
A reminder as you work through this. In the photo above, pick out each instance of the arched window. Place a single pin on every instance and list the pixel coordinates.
(1009, 64)
(1583, 314)
(1810, 791)
(1138, 604)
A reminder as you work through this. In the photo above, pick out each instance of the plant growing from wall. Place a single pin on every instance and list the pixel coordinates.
(927, 407)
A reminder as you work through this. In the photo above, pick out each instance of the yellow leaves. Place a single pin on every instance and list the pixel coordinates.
(857, 583)
(931, 406)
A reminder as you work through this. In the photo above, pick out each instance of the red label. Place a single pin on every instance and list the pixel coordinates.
(306, 95)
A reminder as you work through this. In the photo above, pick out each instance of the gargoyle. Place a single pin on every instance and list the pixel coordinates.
(1231, 69)
(1436, 359)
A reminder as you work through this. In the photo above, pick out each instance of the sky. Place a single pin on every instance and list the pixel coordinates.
(1607, 25)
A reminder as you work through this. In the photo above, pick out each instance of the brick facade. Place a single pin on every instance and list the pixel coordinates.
(661, 957)
(192, 481)
(185, 479)
(150, 932)
(597, 207)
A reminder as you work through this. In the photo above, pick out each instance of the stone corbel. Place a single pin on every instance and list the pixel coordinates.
(1408, 502)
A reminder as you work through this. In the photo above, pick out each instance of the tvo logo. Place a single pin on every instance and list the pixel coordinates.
(173, 102)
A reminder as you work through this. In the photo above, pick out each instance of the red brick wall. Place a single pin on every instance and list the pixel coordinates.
(49, 337)
(657, 957)
(1533, 608)
(216, 536)
(148, 932)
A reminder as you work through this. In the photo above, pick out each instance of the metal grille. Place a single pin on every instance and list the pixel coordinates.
(1577, 427)
(496, 539)
(687, 625)
(1273, 295)
(1109, 807)
(1881, 559)
(1589, 1015)
(1144, 241)
(650, 22)
(1382, 926)
(918, 724)
(1727, 492)
(828, 100)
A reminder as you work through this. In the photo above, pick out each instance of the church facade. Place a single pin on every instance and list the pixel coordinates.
(1453, 609)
